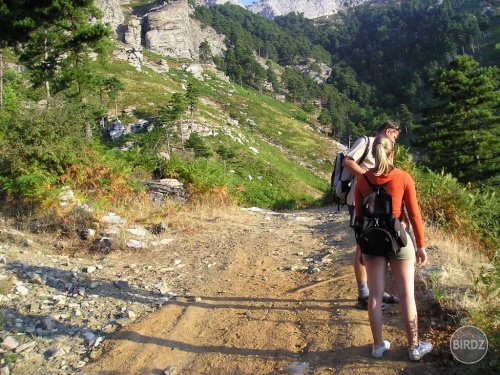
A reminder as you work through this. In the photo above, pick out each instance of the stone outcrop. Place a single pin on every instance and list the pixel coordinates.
(165, 28)
(113, 14)
(170, 31)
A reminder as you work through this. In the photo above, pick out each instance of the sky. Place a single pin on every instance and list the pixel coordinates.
(247, 2)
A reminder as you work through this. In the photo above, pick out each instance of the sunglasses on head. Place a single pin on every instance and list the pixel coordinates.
(394, 128)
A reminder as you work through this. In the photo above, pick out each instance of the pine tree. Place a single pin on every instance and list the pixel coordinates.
(171, 114)
(461, 134)
(191, 97)
(56, 35)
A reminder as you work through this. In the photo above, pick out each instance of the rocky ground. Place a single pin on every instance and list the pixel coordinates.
(223, 295)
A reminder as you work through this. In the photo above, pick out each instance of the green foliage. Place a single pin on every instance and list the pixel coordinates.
(205, 52)
(13, 90)
(201, 175)
(50, 30)
(39, 144)
(487, 316)
(225, 152)
(173, 111)
(485, 217)
(443, 199)
(191, 97)
(109, 85)
(436, 287)
(462, 133)
(137, 159)
(459, 208)
(30, 183)
(258, 34)
(453, 206)
(403, 159)
(199, 146)
(367, 46)
(10, 357)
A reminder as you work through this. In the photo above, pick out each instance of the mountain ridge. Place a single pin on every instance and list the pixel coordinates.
(310, 8)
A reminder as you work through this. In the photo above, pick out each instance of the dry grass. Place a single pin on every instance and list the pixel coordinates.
(6, 284)
(461, 263)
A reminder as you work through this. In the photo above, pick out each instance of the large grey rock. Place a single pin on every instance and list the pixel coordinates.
(170, 31)
(132, 34)
(113, 14)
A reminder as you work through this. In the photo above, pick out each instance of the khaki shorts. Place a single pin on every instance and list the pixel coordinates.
(406, 253)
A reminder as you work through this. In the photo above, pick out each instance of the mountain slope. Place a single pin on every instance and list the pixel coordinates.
(278, 151)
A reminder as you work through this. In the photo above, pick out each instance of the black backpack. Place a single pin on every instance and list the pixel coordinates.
(378, 232)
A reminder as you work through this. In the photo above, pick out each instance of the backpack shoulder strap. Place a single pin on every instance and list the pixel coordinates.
(373, 185)
(367, 148)
(367, 180)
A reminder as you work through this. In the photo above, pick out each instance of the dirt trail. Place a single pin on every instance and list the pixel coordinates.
(241, 313)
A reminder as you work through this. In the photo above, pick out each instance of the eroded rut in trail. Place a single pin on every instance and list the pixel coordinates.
(242, 314)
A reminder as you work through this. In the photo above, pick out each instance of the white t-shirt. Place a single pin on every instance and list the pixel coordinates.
(356, 152)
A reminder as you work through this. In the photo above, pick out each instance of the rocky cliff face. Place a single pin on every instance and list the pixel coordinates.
(219, 2)
(170, 31)
(310, 8)
(166, 28)
(113, 15)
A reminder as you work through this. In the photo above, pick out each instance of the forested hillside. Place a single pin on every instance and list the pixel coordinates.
(364, 47)
(384, 62)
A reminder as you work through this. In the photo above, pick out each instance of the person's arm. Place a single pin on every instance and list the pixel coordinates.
(358, 197)
(410, 199)
(357, 151)
(353, 167)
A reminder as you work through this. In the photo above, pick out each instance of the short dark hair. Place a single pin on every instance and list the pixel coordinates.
(389, 125)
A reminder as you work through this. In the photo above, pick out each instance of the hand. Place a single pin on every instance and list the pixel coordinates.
(421, 256)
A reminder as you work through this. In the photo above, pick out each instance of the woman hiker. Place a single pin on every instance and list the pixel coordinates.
(402, 188)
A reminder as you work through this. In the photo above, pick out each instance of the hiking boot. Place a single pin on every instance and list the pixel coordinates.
(418, 353)
(377, 351)
(362, 304)
(389, 298)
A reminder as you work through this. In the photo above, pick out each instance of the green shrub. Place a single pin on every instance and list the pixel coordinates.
(199, 146)
(201, 175)
(39, 144)
(309, 107)
(453, 206)
(485, 215)
(487, 315)
(225, 152)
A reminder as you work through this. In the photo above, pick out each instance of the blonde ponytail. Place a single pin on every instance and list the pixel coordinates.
(383, 147)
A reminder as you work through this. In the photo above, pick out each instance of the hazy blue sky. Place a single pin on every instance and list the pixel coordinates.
(247, 2)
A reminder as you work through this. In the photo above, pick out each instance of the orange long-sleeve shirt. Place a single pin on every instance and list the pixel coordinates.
(402, 188)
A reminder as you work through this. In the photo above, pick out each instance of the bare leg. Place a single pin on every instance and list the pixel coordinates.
(376, 269)
(359, 269)
(403, 271)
